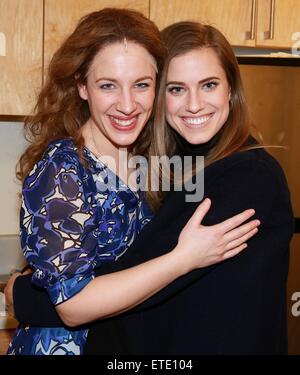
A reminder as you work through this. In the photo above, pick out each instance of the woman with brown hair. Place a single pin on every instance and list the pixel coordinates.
(79, 209)
(238, 306)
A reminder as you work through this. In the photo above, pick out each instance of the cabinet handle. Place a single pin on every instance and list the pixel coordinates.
(250, 35)
(2, 44)
(270, 33)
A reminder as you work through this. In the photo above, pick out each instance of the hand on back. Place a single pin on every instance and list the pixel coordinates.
(202, 246)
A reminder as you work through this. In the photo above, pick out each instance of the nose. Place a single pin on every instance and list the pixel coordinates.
(126, 103)
(195, 101)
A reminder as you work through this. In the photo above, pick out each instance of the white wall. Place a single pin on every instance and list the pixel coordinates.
(12, 143)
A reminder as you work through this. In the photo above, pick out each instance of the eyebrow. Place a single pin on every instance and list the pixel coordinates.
(183, 83)
(114, 80)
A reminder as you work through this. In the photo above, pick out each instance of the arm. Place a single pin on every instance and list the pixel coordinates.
(244, 298)
(117, 292)
(158, 271)
(198, 246)
(243, 182)
(165, 242)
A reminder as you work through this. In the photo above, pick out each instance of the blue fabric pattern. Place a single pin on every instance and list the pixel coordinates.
(72, 220)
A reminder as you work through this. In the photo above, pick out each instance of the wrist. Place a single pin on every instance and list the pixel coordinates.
(181, 262)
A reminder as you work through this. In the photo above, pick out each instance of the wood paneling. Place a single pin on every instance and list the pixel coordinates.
(5, 337)
(232, 17)
(21, 30)
(61, 17)
(274, 99)
(286, 22)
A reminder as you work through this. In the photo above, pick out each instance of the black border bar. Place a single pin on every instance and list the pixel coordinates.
(277, 61)
(297, 225)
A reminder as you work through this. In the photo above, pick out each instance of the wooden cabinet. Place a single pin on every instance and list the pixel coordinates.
(232, 17)
(30, 32)
(21, 50)
(277, 20)
(275, 114)
(249, 23)
(273, 96)
(61, 17)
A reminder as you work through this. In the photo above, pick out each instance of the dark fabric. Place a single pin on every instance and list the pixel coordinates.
(240, 306)
(237, 307)
(32, 304)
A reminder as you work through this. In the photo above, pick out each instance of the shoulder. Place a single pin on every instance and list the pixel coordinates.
(60, 157)
(62, 150)
(253, 165)
(250, 179)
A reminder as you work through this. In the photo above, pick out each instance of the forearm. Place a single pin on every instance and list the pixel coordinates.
(120, 291)
(137, 254)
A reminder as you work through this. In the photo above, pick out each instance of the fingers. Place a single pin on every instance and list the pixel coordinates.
(200, 212)
(236, 220)
(234, 252)
(239, 241)
(236, 233)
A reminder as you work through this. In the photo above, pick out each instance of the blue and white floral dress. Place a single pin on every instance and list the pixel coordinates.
(73, 218)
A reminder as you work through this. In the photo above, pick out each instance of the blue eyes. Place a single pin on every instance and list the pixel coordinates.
(106, 86)
(111, 86)
(142, 85)
(210, 85)
(177, 90)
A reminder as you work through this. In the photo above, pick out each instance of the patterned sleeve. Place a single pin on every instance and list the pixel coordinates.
(58, 231)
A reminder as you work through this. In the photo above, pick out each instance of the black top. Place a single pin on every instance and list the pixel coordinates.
(236, 307)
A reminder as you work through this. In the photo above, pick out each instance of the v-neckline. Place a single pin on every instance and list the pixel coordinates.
(105, 166)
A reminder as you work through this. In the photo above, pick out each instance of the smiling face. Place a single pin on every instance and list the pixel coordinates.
(197, 95)
(120, 90)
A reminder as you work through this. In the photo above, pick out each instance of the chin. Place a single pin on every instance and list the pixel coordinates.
(196, 140)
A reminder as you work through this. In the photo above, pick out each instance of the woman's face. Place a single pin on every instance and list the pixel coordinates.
(197, 95)
(120, 90)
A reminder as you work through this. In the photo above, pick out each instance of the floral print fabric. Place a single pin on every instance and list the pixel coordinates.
(73, 218)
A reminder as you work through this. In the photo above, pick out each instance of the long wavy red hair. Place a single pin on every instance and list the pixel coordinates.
(59, 111)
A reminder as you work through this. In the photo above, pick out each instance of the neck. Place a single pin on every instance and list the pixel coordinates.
(184, 148)
(116, 158)
(99, 145)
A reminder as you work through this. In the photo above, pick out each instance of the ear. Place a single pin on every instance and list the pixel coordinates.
(229, 94)
(82, 91)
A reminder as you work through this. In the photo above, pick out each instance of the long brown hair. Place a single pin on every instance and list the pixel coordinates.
(60, 112)
(179, 39)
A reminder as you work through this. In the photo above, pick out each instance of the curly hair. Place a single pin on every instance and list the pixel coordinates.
(59, 111)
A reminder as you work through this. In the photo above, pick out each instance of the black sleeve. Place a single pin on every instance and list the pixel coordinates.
(250, 180)
(248, 183)
(253, 301)
(32, 304)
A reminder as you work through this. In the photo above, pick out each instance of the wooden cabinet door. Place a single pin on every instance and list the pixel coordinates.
(280, 18)
(21, 48)
(232, 17)
(61, 17)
